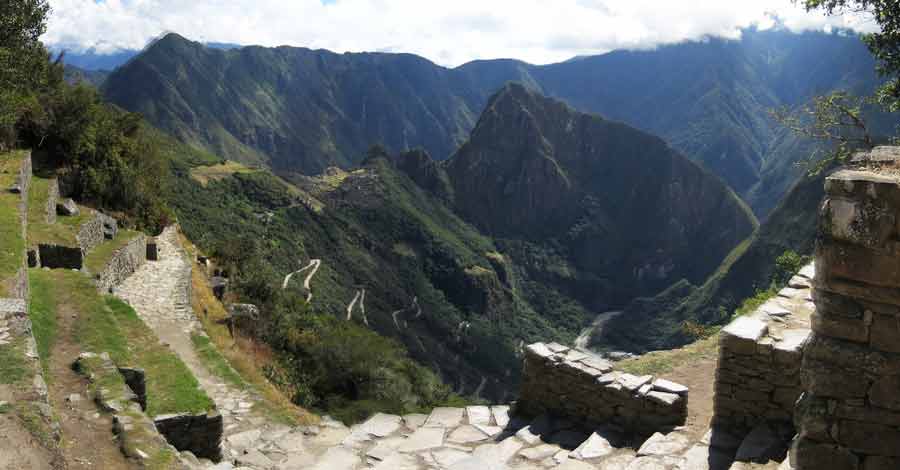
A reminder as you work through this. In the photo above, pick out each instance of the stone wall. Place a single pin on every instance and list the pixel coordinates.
(579, 385)
(23, 183)
(849, 416)
(138, 437)
(60, 256)
(52, 199)
(200, 433)
(757, 377)
(16, 326)
(124, 262)
(94, 232)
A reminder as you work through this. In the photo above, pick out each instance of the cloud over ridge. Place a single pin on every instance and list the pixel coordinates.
(448, 33)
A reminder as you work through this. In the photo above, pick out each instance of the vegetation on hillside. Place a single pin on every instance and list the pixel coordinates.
(107, 157)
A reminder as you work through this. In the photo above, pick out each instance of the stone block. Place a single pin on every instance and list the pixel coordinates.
(807, 454)
(67, 207)
(849, 329)
(201, 434)
(869, 438)
(838, 262)
(790, 349)
(881, 463)
(667, 386)
(826, 380)
(867, 414)
(885, 333)
(885, 393)
(741, 335)
(864, 221)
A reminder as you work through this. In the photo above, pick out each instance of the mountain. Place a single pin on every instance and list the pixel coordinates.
(92, 60)
(629, 214)
(655, 323)
(301, 110)
(294, 109)
(73, 75)
(461, 294)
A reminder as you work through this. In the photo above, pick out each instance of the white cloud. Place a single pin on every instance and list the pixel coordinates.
(447, 32)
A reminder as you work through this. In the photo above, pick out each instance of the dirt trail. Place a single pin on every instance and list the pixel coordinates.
(87, 439)
(314, 264)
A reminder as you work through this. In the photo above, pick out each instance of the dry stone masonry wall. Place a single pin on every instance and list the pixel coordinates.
(123, 263)
(849, 416)
(757, 378)
(97, 230)
(583, 386)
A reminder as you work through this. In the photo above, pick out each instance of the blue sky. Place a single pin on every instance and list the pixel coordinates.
(449, 33)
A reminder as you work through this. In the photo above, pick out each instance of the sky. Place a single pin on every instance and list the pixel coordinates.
(449, 32)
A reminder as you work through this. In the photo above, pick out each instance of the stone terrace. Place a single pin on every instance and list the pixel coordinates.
(757, 379)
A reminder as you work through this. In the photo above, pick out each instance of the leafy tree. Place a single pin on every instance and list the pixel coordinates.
(836, 119)
(23, 60)
(884, 45)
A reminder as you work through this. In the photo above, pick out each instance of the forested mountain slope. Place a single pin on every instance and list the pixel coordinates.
(302, 110)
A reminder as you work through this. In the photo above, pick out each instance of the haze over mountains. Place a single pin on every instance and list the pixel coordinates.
(301, 110)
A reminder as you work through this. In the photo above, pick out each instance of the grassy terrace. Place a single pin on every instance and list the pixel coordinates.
(12, 245)
(39, 231)
(205, 174)
(106, 324)
(99, 257)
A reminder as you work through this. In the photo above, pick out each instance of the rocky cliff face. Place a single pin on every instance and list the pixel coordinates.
(620, 205)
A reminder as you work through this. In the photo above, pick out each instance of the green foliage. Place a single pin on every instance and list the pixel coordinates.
(42, 313)
(110, 158)
(12, 244)
(348, 370)
(13, 367)
(786, 266)
(215, 362)
(755, 301)
(837, 120)
(106, 324)
(882, 44)
(24, 63)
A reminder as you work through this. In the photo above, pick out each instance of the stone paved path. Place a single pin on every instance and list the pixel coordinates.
(159, 293)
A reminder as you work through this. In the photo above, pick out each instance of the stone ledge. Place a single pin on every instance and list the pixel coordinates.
(124, 262)
(583, 386)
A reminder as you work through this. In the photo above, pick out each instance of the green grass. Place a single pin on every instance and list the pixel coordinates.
(13, 368)
(663, 362)
(215, 362)
(39, 231)
(106, 324)
(752, 303)
(205, 174)
(99, 257)
(42, 312)
(12, 245)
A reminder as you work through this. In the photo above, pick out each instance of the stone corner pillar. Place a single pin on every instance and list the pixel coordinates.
(848, 417)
